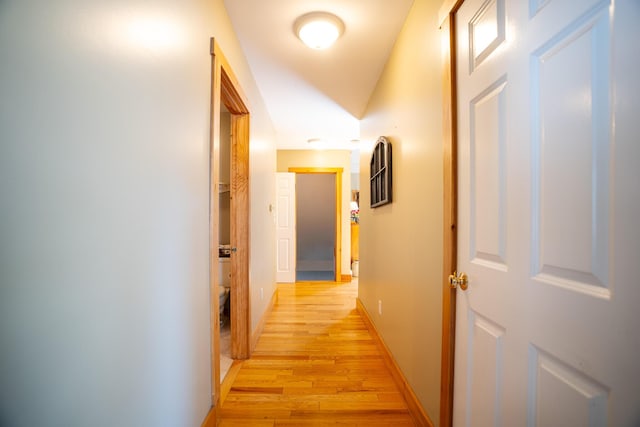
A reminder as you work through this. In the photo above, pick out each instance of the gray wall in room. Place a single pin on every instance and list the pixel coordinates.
(315, 216)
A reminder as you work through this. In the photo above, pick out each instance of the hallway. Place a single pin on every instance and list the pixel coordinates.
(315, 364)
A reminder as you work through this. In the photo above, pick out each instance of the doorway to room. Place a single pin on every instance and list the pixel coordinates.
(318, 261)
(315, 227)
(337, 230)
(233, 127)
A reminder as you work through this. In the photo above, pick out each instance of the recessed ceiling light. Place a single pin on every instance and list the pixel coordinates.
(318, 30)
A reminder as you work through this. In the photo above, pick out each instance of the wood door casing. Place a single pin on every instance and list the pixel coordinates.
(225, 89)
(239, 233)
(450, 214)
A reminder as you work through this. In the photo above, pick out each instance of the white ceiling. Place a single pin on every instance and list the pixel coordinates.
(317, 93)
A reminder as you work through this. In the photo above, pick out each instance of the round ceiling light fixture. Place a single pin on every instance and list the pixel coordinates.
(318, 30)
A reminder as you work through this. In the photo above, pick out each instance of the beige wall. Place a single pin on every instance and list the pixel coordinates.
(326, 159)
(104, 176)
(401, 243)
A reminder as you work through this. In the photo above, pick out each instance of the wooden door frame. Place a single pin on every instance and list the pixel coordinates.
(226, 90)
(450, 231)
(338, 214)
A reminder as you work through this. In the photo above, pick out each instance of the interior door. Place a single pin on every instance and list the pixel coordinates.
(548, 202)
(286, 227)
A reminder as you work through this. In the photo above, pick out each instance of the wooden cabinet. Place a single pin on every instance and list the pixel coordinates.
(355, 240)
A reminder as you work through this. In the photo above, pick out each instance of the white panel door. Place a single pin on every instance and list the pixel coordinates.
(547, 333)
(286, 227)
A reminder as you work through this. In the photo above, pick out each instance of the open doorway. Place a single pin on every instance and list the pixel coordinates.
(226, 94)
(314, 260)
(315, 227)
(224, 241)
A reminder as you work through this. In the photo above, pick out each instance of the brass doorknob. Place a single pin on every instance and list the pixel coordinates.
(459, 280)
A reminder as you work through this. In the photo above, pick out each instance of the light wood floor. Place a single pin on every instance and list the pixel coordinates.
(315, 364)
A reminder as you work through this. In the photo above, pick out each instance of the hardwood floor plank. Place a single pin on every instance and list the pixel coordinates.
(315, 364)
(376, 421)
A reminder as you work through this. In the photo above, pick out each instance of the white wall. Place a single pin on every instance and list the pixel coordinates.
(262, 186)
(355, 170)
(401, 243)
(104, 217)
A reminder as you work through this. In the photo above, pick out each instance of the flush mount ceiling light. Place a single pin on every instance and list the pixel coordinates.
(318, 30)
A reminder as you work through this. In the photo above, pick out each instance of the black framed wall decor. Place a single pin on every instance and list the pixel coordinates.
(380, 173)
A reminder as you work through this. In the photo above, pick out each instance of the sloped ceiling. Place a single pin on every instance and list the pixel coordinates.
(317, 94)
